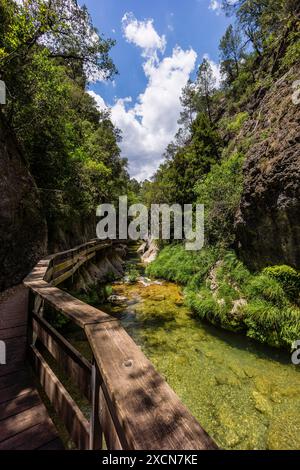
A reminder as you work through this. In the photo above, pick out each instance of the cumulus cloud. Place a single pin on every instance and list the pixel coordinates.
(143, 35)
(216, 69)
(99, 100)
(216, 5)
(149, 124)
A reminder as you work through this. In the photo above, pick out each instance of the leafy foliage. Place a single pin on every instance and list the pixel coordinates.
(288, 278)
(49, 50)
(221, 290)
(220, 192)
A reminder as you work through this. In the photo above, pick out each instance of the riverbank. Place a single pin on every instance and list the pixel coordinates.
(243, 393)
(222, 291)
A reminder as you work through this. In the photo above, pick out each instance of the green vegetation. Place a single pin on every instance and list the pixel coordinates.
(220, 191)
(220, 289)
(49, 51)
(204, 165)
(259, 46)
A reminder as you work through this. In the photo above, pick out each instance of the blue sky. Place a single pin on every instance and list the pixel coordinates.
(160, 43)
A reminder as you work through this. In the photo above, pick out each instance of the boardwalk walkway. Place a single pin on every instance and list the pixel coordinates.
(24, 420)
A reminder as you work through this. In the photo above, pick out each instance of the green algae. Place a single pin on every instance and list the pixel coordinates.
(245, 395)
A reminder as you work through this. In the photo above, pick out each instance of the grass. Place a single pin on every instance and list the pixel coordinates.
(220, 289)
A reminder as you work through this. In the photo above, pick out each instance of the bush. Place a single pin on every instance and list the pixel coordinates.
(175, 263)
(203, 304)
(132, 275)
(288, 278)
(268, 289)
(220, 192)
(236, 124)
(266, 313)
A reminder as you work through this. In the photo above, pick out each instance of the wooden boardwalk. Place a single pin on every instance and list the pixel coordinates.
(24, 420)
(131, 406)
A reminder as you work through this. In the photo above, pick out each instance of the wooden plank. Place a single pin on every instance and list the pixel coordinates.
(10, 368)
(13, 332)
(19, 404)
(33, 438)
(16, 424)
(77, 311)
(66, 264)
(69, 359)
(53, 445)
(15, 350)
(150, 414)
(13, 379)
(49, 274)
(14, 391)
(62, 278)
(13, 310)
(64, 405)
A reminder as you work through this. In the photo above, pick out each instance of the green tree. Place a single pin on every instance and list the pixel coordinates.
(205, 86)
(231, 51)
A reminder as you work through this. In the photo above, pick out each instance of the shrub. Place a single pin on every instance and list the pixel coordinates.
(175, 263)
(288, 278)
(236, 124)
(268, 316)
(132, 275)
(220, 192)
(268, 289)
(202, 304)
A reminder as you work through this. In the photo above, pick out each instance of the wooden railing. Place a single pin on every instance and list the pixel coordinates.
(133, 407)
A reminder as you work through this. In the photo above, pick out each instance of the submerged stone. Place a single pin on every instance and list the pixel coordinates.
(262, 404)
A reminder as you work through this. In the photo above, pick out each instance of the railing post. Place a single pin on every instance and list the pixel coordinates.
(30, 333)
(96, 434)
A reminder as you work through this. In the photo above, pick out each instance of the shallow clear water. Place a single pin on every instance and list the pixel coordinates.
(245, 395)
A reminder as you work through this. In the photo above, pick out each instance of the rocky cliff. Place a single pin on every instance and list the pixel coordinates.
(23, 228)
(268, 220)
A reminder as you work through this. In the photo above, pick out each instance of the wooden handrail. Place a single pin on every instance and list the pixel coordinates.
(132, 405)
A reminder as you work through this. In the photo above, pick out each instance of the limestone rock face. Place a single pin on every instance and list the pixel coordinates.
(268, 220)
(23, 228)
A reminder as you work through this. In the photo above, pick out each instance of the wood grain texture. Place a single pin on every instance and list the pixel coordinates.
(75, 366)
(150, 414)
(21, 408)
(65, 407)
(138, 410)
(77, 311)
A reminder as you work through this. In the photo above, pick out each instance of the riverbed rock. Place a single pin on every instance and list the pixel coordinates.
(158, 298)
(263, 385)
(262, 404)
(149, 251)
(227, 379)
(117, 299)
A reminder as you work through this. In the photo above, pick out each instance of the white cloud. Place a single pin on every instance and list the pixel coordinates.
(143, 34)
(99, 100)
(149, 124)
(216, 69)
(216, 6)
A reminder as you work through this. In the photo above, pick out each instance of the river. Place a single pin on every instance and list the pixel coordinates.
(246, 396)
